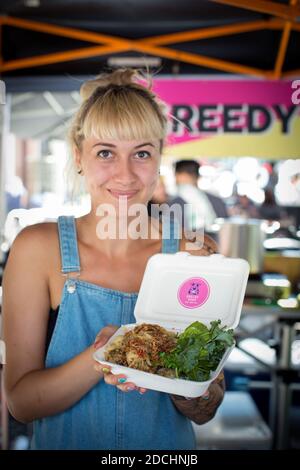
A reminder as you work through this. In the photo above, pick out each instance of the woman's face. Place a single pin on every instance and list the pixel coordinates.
(115, 169)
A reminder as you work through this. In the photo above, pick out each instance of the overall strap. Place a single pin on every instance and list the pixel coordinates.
(68, 244)
(170, 235)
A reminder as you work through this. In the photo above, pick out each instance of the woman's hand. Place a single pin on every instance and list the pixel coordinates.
(202, 409)
(217, 387)
(119, 381)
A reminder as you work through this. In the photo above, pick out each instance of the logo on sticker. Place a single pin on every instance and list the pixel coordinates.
(194, 292)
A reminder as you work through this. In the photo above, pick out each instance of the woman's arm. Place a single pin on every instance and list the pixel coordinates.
(202, 409)
(33, 391)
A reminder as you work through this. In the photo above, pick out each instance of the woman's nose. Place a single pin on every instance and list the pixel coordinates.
(124, 173)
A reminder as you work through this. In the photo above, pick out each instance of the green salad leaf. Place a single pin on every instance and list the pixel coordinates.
(198, 351)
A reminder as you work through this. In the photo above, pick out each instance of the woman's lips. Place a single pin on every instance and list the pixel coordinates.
(119, 194)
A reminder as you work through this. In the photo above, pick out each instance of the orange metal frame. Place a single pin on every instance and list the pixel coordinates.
(284, 19)
(287, 12)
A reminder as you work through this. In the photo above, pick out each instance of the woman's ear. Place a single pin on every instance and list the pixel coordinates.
(77, 156)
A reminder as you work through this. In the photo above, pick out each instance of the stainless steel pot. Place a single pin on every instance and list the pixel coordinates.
(243, 238)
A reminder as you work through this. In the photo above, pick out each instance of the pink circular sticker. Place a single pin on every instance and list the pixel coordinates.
(193, 292)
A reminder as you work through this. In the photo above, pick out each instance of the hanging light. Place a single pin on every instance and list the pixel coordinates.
(134, 61)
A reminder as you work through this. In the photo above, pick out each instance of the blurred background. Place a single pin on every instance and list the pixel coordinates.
(229, 71)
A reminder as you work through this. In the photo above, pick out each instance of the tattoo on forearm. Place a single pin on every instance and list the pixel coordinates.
(199, 410)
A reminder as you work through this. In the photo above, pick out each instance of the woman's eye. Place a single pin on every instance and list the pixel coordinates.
(143, 154)
(104, 154)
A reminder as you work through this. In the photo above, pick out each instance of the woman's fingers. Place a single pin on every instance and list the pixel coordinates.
(104, 335)
(205, 395)
(219, 378)
(119, 381)
(102, 368)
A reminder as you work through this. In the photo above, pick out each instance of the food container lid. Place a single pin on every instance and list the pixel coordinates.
(178, 289)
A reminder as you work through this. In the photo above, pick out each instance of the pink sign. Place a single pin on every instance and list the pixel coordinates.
(208, 108)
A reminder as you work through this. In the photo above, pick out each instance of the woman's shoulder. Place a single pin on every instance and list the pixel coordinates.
(204, 245)
(36, 240)
(32, 252)
(37, 233)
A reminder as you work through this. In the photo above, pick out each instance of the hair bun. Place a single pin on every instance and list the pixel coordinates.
(120, 77)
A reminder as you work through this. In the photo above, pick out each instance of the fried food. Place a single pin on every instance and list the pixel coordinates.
(140, 348)
(191, 355)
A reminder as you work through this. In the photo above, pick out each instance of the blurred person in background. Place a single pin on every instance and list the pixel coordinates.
(206, 207)
(16, 194)
(269, 209)
(295, 181)
(160, 196)
(244, 207)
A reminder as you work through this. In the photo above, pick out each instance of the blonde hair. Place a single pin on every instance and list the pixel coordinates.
(116, 106)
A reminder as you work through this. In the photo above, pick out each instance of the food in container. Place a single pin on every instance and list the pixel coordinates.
(191, 355)
(178, 291)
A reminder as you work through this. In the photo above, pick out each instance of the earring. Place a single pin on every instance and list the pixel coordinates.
(79, 171)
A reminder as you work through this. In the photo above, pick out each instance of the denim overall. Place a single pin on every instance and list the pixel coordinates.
(104, 418)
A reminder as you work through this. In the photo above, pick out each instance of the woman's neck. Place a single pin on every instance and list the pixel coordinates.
(118, 237)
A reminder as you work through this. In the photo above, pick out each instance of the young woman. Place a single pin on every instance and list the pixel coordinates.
(65, 285)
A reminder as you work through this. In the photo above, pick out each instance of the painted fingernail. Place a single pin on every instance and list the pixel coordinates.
(122, 380)
(105, 370)
(129, 389)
